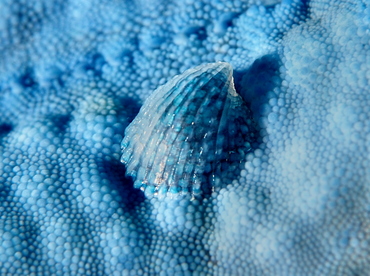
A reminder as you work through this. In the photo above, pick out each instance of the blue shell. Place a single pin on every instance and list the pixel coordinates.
(190, 135)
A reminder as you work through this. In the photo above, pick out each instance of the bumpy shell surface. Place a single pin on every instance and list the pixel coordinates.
(189, 135)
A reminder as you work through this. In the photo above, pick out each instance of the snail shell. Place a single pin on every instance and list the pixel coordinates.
(190, 135)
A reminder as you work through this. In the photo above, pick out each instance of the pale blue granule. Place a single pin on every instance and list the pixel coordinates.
(73, 75)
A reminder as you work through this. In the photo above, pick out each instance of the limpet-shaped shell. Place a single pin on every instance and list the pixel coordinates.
(190, 135)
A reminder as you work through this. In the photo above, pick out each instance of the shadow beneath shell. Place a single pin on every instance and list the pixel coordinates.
(256, 85)
(115, 172)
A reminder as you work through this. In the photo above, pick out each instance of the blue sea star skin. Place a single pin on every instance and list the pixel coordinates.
(73, 75)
